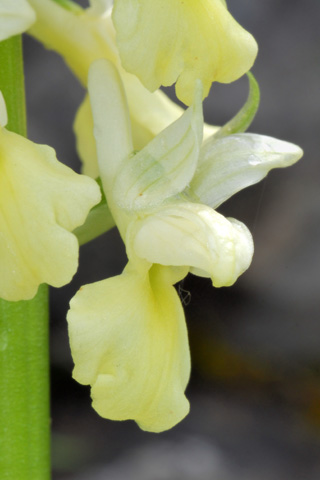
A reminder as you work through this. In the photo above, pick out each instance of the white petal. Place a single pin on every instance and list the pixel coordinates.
(194, 235)
(15, 17)
(111, 120)
(165, 166)
(237, 161)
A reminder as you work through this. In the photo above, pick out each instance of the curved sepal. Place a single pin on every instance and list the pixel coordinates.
(235, 162)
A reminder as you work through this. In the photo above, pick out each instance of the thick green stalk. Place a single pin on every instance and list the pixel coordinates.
(24, 365)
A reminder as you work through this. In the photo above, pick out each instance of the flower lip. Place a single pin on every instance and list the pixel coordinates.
(129, 342)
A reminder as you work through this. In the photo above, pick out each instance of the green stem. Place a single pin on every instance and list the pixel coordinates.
(24, 365)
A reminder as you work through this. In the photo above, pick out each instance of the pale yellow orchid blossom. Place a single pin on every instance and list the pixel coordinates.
(41, 202)
(15, 18)
(127, 333)
(167, 41)
(82, 36)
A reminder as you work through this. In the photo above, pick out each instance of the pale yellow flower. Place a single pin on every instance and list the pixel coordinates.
(167, 41)
(41, 203)
(127, 333)
(82, 36)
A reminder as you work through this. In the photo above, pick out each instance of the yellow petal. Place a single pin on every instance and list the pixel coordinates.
(163, 41)
(129, 342)
(82, 38)
(41, 202)
(79, 37)
(85, 142)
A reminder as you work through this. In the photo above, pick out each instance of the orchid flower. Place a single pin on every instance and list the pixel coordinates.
(41, 202)
(82, 36)
(127, 333)
(167, 41)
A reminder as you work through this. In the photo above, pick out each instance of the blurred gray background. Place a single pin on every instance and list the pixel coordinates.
(255, 387)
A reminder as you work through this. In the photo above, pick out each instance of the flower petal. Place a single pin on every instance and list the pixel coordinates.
(162, 41)
(79, 37)
(165, 166)
(129, 342)
(150, 113)
(112, 129)
(41, 202)
(237, 161)
(85, 141)
(15, 17)
(189, 234)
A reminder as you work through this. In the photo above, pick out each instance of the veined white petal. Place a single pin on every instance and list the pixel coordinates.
(165, 166)
(194, 235)
(15, 17)
(150, 113)
(237, 161)
(129, 342)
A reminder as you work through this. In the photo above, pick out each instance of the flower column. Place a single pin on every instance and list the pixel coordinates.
(24, 366)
